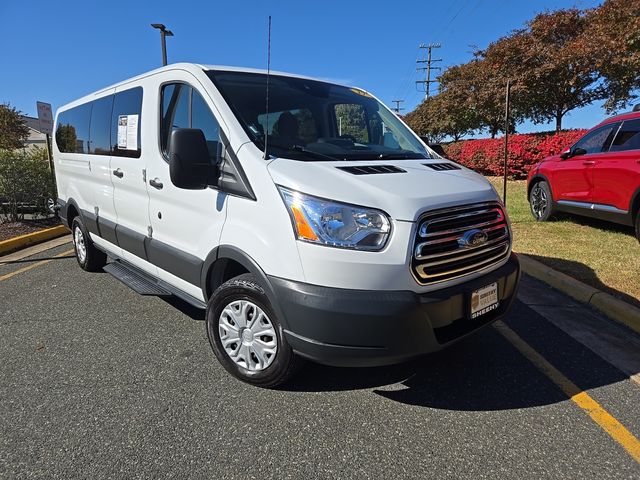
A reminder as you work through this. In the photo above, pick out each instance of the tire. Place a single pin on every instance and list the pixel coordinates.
(88, 256)
(541, 201)
(238, 306)
(638, 225)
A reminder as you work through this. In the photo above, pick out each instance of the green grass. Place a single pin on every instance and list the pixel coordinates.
(601, 254)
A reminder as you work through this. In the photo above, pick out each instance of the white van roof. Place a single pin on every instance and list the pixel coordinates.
(191, 67)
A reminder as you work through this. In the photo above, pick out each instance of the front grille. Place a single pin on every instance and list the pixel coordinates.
(454, 242)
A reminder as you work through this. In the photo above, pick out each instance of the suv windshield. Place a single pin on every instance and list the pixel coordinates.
(313, 120)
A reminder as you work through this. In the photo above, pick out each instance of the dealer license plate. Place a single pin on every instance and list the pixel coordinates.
(484, 300)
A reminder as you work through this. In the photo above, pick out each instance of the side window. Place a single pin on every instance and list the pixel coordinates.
(184, 107)
(351, 120)
(100, 127)
(72, 130)
(628, 137)
(598, 140)
(125, 123)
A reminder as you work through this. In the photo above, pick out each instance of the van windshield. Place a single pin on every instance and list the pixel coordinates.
(314, 120)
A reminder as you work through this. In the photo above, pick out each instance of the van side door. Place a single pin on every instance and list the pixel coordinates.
(186, 224)
(617, 175)
(129, 157)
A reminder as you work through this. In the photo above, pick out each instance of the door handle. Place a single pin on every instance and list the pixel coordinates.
(118, 173)
(156, 183)
(589, 162)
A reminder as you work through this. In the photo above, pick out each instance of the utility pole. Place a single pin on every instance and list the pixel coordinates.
(163, 34)
(427, 81)
(398, 107)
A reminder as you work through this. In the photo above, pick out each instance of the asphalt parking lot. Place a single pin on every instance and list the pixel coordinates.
(99, 382)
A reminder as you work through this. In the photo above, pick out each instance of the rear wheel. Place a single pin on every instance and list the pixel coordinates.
(88, 256)
(638, 224)
(541, 201)
(246, 336)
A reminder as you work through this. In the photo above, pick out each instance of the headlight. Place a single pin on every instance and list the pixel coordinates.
(317, 220)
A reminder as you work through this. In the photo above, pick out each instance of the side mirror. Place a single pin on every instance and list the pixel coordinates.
(189, 164)
(566, 154)
(578, 151)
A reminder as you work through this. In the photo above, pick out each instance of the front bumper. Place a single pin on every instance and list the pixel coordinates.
(370, 328)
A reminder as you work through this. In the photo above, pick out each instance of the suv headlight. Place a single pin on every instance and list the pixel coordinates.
(325, 222)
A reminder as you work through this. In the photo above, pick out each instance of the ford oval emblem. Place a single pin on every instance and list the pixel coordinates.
(473, 238)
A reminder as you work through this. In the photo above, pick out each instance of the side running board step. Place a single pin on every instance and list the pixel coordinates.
(134, 280)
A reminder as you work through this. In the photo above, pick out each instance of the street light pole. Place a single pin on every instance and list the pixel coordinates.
(163, 34)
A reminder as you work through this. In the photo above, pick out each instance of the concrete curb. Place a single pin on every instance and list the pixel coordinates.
(617, 310)
(22, 241)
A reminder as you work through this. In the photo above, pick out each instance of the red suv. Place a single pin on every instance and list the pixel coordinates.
(599, 176)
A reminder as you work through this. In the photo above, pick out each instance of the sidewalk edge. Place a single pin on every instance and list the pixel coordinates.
(614, 308)
(23, 241)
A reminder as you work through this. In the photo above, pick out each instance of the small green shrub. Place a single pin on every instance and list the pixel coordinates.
(25, 183)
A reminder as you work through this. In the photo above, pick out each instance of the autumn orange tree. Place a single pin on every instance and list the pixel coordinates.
(560, 61)
(612, 42)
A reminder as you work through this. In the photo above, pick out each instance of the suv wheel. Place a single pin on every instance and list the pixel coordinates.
(89, 257)
(541, 201)
(246, 336)
(638, 224)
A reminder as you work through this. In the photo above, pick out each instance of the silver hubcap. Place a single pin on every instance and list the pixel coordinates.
(538, 201)
(81, 248)
(247, 335)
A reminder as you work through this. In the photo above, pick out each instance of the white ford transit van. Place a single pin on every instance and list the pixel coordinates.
(324, 229)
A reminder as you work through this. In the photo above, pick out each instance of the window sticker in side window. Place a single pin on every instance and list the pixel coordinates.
(128, 132)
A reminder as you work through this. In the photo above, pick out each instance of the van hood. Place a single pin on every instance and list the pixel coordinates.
(403, 195)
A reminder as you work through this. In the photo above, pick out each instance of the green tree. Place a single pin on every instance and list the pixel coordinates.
(13, 131)
(443, 115)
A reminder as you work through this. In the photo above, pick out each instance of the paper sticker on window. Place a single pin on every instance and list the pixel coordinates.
(128, 132)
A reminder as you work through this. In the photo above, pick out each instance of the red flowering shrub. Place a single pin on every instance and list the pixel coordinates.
(486, 156)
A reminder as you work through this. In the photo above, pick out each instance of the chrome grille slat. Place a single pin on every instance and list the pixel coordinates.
(444, 249)
(456, 237)
(500, 219)
(424, 226)
(455, 254)
(472, 267)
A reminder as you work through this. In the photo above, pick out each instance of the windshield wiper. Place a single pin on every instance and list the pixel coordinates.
(400, 156)
(300, 148)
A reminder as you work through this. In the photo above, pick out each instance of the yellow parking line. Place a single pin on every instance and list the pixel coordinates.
(604, 419)
(6, 276)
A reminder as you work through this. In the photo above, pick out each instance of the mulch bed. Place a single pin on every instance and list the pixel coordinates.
(13, 229)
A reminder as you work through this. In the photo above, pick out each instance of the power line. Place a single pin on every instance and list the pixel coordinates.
(428, 61)
(398, 107)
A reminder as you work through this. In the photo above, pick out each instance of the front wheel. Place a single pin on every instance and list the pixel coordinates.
(88, 256)
(541, 201)
(638, 224)
(246, 336)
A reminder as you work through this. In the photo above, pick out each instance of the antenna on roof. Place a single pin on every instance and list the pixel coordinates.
(266, 133)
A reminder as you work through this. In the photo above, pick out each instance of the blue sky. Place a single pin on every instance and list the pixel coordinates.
(58, 51)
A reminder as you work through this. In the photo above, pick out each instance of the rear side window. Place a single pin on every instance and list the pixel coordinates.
(72, 130)
(598, 140)
(100, 127)
(125, 123)
(628, 137)
(184, 107)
